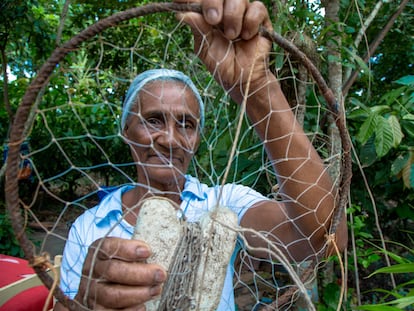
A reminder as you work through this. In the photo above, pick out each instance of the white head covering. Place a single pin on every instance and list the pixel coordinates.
(152, 75)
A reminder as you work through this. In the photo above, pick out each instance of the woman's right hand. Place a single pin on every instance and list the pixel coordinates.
(115, 275)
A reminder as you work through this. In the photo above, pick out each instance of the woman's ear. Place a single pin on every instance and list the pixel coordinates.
(125, 137)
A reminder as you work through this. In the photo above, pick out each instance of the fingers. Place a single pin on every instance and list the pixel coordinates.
(122, 261)
(212, 11)
(256, 16)
(129, 273)
(236, 18)
(127, 250)
(233, 17)
(115, 275)
(117, 296)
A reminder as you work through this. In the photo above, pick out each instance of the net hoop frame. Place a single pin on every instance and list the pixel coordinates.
(16, 137)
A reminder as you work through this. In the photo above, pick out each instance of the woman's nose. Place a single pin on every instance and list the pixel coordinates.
(169, 137)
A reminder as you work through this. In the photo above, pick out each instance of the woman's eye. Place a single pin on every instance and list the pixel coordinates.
(187, 124)
(154, 122)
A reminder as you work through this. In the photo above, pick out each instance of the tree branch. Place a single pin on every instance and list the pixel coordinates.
(368, 22)
(363, 29)
(374, 45)
(62, 22)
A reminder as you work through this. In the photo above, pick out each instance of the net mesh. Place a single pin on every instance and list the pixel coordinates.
(88, 157)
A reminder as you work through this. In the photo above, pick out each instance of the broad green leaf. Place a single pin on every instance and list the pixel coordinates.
(358, 113)
(393, 96)
(355, 102)
(367, 128)
(409, 116)
(368, 154)
(396, 130)
(379, 109)
(408, 127)
(399, 163)
(384, 138)
(406, 80)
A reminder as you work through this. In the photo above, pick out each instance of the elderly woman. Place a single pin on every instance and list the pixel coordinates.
(162, 118)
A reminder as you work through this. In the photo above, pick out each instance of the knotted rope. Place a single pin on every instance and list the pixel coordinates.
(43, 263)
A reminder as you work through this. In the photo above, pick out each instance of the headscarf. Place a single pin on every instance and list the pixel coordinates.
(155, 75)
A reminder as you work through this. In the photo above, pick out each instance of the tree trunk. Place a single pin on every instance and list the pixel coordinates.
(335, 83)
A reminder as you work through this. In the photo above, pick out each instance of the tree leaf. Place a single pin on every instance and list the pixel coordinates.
(408, 127)
(367, 154)
(408, 116)
(406, 80)
(396, 130)
(399, 163)
(359, 113)
(384, 138)
(379, 109)
(367, 128)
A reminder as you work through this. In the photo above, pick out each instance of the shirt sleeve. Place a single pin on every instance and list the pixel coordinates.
(240, 198)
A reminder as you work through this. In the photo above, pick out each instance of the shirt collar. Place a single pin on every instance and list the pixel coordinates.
(112, 202)
(194, 187)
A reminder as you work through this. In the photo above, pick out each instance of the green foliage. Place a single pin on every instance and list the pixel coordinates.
(384, 140)
(384, 121)
(330, 297)
(8, 243)
(402, 296)
(366, 254)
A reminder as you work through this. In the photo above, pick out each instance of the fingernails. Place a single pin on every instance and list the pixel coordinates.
(143, 252)
(212, 15)
(246, 35)
(155, 290)
(159, 276)
(231, 33)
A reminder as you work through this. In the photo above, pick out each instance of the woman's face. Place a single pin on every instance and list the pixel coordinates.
(163, 132)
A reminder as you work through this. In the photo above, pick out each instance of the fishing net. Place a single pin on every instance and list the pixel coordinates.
(88, 158)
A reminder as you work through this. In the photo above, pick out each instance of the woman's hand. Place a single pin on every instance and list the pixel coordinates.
(116, 276)
(227, 40)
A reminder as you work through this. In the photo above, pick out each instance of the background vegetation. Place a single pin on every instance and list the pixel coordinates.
(367, 63)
